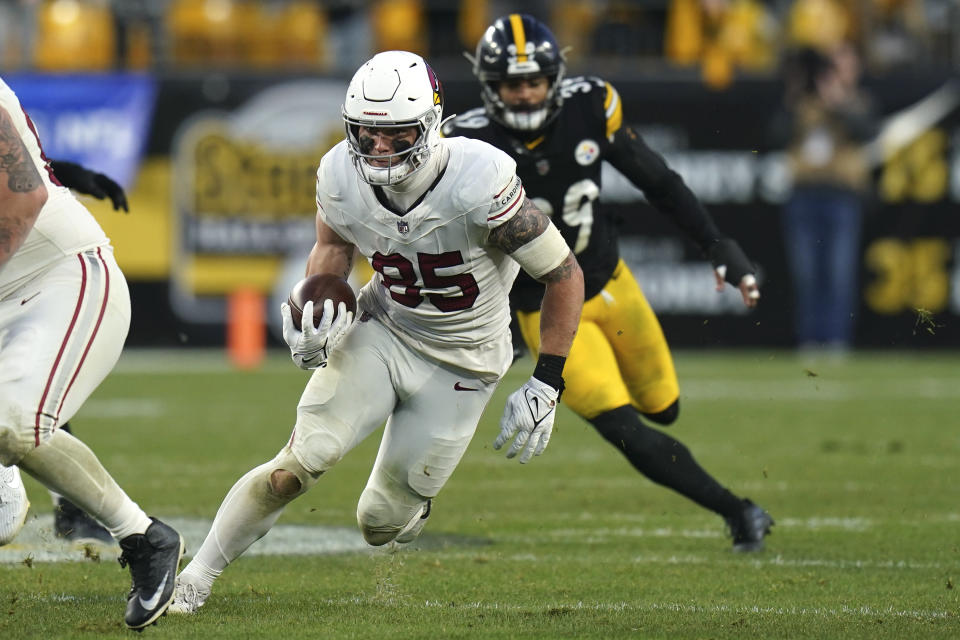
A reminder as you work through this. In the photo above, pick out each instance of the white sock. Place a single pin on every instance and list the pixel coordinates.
(199, 575)
(66, 465)
(248, 512)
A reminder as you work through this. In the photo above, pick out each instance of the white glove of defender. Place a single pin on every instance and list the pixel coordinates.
(310, 347)
(529, 413)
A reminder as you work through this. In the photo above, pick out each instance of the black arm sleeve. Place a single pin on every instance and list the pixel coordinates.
(663, 187)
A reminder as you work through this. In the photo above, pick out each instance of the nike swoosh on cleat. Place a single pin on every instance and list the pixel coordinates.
(458, 387)
(152, 603)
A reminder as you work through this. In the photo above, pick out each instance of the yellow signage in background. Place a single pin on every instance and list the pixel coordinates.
(142, 238)
(242, 194)
(908, 274)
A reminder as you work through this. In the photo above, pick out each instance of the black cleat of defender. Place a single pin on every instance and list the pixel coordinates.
(72, 523)
(749, 527)
(153, 558)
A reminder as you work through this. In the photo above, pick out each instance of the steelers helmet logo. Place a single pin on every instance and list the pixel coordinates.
(586, 152)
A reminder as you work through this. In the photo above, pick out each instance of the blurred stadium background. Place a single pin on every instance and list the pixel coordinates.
(214, 113)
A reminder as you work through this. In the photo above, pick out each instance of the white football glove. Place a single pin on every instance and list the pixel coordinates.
(529, 413)
(310, 347)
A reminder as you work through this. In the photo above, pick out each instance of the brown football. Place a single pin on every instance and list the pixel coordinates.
(318, 288)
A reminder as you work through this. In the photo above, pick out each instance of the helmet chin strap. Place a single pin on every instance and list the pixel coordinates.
(404, 193)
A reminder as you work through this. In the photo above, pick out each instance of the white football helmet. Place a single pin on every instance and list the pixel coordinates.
(394, 89)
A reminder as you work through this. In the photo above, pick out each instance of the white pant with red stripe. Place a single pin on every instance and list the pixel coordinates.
(60, 335)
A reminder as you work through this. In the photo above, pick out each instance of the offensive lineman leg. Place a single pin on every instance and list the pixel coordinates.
(66, 465)
(73, 523)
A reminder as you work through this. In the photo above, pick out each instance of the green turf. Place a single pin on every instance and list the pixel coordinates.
(856, 460)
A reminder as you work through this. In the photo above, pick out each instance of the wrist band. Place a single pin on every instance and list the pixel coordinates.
(549, 369)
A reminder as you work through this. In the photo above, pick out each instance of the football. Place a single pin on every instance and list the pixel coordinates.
(318, 288)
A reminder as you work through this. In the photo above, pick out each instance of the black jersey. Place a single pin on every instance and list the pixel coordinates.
(560, 170)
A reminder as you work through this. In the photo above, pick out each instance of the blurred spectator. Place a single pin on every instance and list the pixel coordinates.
(896, 33)
(826, 119)
(721, 35)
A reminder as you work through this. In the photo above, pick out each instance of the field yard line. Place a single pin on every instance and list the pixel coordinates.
(818, 389)
(862, 611)
(779, 560)
(600, 533)
(731, 559)
(186, 361)
(123, 408)
(821, 612)
(37, 543)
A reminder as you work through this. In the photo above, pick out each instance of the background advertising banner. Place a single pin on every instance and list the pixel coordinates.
(225, 197)
(99, 121)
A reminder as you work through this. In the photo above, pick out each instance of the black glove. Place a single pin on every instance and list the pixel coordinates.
(727, 252)
(91, 183)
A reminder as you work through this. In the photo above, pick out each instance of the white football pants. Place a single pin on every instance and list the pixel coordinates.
(60, 335)
(431, 412)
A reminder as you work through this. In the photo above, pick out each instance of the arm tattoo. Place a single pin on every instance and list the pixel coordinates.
(15, 161)
(524, 226)
(562, 272)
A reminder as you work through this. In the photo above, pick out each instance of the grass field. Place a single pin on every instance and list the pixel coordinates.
(856, 460)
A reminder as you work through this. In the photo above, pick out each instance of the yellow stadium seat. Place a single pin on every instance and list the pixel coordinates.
(293, 35)
(204, 31)
(817, 23)
(74, 36)
(400, 25)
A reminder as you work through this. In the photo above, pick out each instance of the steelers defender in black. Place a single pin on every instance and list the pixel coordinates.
(559, 130)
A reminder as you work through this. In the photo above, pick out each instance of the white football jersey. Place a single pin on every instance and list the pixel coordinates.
(436, 284)
(64, 226)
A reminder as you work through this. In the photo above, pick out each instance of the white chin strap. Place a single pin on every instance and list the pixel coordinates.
(382, 176)
(525, 120)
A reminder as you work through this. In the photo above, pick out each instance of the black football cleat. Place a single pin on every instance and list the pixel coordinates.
(749, 527)
(72, 523)
(153, 558)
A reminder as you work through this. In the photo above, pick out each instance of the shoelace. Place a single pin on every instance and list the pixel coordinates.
(190, 594)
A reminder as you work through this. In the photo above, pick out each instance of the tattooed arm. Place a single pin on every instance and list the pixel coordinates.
(531, 239)
(331, 253)
(22, 193)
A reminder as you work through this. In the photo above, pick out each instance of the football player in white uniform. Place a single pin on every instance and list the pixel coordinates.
(70, 522)
(64, 315)
(446, 226)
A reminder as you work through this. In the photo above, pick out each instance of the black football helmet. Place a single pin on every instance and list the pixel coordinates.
(518, 46)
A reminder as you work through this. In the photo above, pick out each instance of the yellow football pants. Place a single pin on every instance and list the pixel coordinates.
(619, 356)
